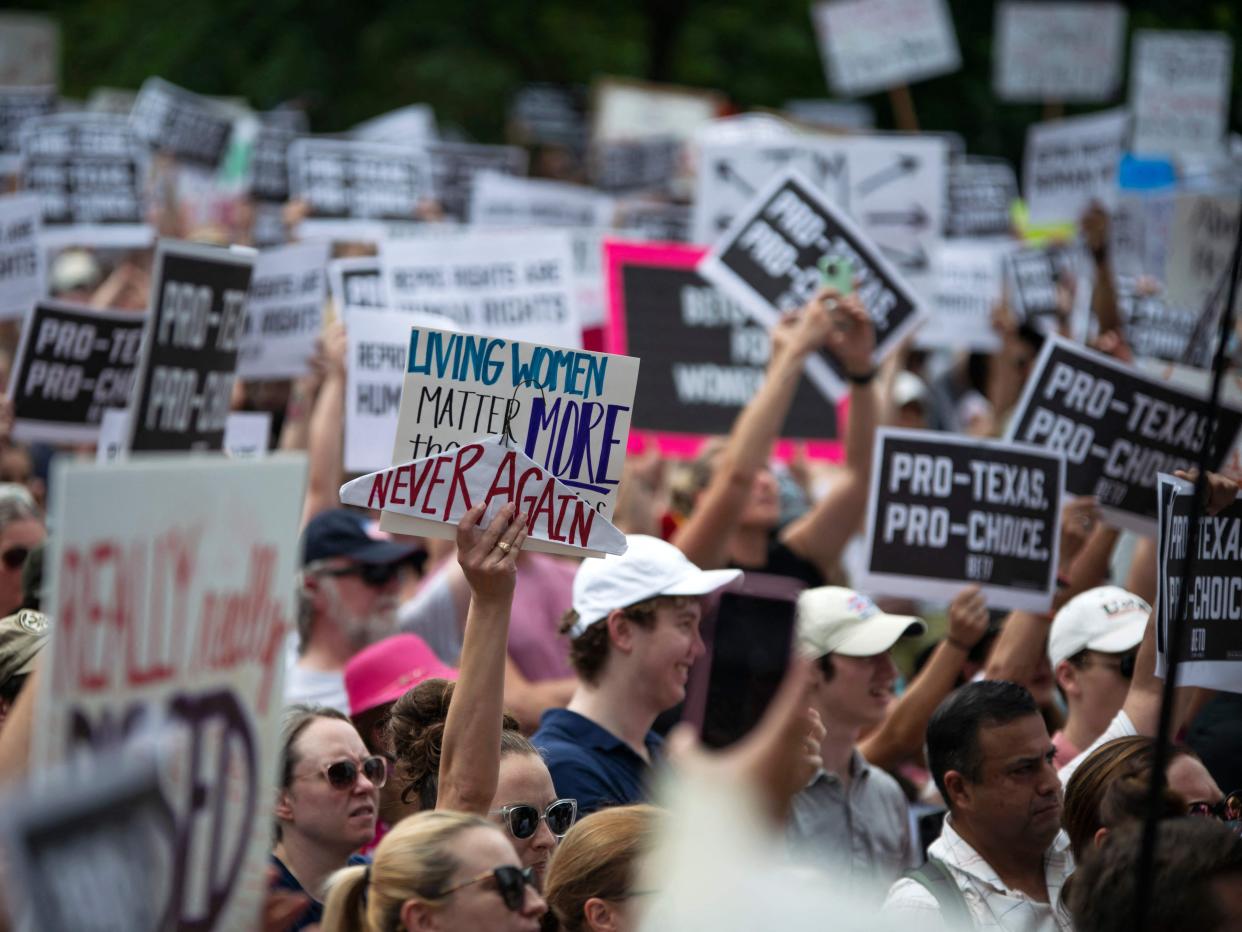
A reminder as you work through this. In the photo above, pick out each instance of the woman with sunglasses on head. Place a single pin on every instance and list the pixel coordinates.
(326, 805)
(437, 872)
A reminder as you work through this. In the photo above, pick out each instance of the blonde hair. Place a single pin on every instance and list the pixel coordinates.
(413, 861)
(598, 858)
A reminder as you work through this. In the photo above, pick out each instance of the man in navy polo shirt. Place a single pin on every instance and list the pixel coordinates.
(634, 632)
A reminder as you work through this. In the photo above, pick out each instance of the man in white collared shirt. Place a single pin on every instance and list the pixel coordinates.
(1002, 847)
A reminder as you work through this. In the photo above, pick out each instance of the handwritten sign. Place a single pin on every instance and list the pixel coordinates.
(1070, 163)
(948, 511)
(768, 261)
(567, 409)
(171, 582)
(515, 283)
(871, 45)
(189, 361)
(182, 123)
(72, 364)
(21, 259)
(1179, 91)
(1062, 51)
(438, 490)
(1116, 426)
(284, 311)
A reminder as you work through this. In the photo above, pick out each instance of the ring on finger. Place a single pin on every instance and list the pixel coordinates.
(504, 547)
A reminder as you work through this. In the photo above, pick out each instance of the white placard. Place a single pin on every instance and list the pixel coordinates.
(871, 45)
(506, 201)
(1058, 51)
(172, 583)
(969, 283)
(412, 125)
(21, 259)
(1070, 163)
(514, 283)
(627, 110)
(1200, 245)
(1179, 91)
(284, 311)
(248, 434)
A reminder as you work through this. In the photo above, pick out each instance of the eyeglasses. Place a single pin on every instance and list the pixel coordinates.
(15, 557)
(511, 884)
(523, 819)
(1124, 665)
(1228, 809)
(375, 575)
(343, 774)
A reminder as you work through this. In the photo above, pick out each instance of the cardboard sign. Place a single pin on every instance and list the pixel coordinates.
(194, 560)
(1117, 427)
(947, 512)
(1200, 245)
(768, 259)
(703, 356)
(1212, 630)
(1179, 91)
(981, 196)
(184, 383)
(21, 259)
(438, 490)
(504, 201)
(89, 171)
(625, 110)
(29, 50)
(516, 283)
(455, 165)
(182, 123)
(414, 125)
(17, 105)
(567, 409)
(1031, 276)
(1070, 163)
(351, 188)
(72, 364)
(969, 284)
(357, 281)
(247, 434)
(284, 311)
(1058, 51)
(871, 45)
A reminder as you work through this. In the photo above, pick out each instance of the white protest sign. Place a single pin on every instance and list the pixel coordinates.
(284, 311)
(627, 110)
(1200, 245)
(1179, 91)
(412, 125)
(113, 435)
(567, 409)
(1058, 51)
(29, 49)
(357, 281)
(171, 581)
(1070, 163)
(871, 45)
(247, 434)
(590, 297)
(505, 201)
(437, 491)
(969, 283)
(519, 283)
(21, 259)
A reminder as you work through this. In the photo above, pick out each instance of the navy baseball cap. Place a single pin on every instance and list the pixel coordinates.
(344, 533)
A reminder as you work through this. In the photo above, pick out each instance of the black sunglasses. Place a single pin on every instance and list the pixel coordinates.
(343, 774)
(523, 819)
(14, 557)
(375, 575)
(511, 883)
(1228, 809)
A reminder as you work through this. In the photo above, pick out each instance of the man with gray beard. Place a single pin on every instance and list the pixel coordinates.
(347, 599)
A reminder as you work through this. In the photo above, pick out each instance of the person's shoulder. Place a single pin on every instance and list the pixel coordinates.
(907, 894)
(556, 726)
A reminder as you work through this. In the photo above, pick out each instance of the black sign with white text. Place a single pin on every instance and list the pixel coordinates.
(768, 261)
(981, 193)
(345, 180)
(455, 165)
(182, 123)
(356, 281)
(17, 105)
(1117, 427)
(73, 363)
(1032, 278)
(948, 511)
(194, 331)
(269, 164)
(635, 165)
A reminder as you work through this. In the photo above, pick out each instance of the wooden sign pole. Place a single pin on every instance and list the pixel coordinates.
(903, 108)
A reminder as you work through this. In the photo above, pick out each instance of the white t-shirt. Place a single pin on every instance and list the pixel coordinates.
(1119, 727)
(316, 687)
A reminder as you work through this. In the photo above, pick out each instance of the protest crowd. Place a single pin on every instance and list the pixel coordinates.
(674, 518)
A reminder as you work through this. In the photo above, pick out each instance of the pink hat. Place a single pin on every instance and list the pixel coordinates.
(383, 672)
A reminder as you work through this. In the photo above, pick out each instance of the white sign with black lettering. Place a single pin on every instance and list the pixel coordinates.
(1179, 91)
(1200, 244)
(768, 261)
(872, 45)
(503, 201)
(356, 281)
(247, 434)
(1058, 51)
(948, 511)
(1070, 163)
(351, 188)
(284, 311)
(21, 259)
(515, 283)
(981, 196)
(969, 283)
(1117, 427)
(195, 129)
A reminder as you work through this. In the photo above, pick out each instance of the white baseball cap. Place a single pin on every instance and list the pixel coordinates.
(648, 568)
(1108, 619)
(836, 620)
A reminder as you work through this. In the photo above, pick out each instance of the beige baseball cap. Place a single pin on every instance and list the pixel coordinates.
(836, 620)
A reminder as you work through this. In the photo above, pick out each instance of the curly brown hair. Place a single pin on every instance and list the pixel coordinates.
(589, 651)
